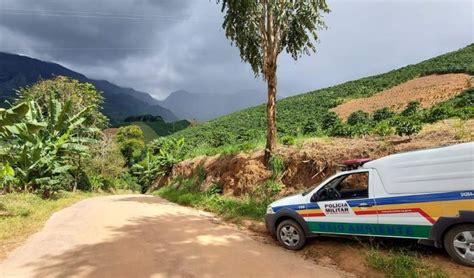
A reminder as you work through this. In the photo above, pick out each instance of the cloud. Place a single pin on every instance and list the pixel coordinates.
(167, 45)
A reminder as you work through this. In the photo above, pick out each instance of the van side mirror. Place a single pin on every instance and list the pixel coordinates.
(314, 198)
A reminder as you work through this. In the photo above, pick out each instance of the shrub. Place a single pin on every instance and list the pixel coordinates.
(341, 130)
(329, 120)
(384, 129)
(411, 108)
(359, 130)
(358, 117)
(311, 127)
(437, 113)
(288, 140)
(383, 114)
(276, 165)
(408, 127)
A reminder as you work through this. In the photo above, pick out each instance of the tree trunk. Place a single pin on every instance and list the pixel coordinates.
(271, 114)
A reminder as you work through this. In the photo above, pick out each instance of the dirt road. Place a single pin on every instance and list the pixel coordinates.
(144, 236)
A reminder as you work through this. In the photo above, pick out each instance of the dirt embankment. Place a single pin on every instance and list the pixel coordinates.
(310, 162)
(428, 90)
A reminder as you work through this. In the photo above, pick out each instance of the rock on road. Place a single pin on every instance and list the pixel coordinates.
(145, 236)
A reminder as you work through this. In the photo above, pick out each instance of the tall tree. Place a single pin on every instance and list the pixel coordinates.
(262, 29)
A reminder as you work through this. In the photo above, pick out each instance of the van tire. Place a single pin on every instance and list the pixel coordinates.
(290, 234)
(454, 234)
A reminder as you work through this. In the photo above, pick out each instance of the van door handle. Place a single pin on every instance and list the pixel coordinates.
(365, 205)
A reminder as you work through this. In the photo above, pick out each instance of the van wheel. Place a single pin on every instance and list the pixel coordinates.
(291, 235)
(459, 243)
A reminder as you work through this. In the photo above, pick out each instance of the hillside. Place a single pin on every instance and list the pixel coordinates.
(311, 111)
(19, 71)
(188, 105)
(154, 126)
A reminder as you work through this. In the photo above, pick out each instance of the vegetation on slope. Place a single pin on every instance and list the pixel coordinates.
(154, 126)
(309, 113)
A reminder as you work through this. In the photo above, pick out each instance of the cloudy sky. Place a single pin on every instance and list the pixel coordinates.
(160, 46)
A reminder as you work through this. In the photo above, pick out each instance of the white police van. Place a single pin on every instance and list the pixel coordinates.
(426, 195)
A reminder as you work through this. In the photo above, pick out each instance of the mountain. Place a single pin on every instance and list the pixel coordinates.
(310, 113)
(204, 107)
(19, 71)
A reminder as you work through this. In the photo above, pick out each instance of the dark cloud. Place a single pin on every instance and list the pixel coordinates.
(166, 45)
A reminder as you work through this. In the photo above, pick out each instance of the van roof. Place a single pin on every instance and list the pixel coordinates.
(427, 170)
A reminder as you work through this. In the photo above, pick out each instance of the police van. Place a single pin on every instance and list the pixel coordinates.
(426, 195)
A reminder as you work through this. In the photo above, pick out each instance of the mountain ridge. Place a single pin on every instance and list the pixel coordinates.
(18, 71)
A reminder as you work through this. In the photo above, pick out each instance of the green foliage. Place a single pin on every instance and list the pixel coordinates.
(411, 109)
(154, 127)
(401, 264)
(288, 140)
(229, 208)
(276, 163)
(267, 191)
(68, 91)
(383, 114)
(358, 117)
(330, 120)
(384, 129)
(158, 161)
(294, 113)
(294, 26)
(132, 145)
(405, 126)
(311, 127)
(45, 148)
(214, 189)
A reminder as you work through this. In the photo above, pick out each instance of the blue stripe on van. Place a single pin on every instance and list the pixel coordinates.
(434, 197)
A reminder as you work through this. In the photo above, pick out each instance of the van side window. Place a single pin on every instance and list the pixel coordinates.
(352, 186)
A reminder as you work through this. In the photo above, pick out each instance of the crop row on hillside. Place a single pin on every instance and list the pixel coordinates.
(294, 113)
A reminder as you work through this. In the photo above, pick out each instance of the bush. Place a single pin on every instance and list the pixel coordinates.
(329, 120)
(288, 140)
(358, 117)
(411, 108)
(341, 130)
(384, 129)
(438, 113)
(311, 127)
(408, 127)
(359, 130)
(383, 114)
(276, 165)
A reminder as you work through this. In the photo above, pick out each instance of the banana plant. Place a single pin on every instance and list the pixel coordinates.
(44, 146)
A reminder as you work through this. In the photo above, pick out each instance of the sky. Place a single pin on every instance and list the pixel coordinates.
(161, 46)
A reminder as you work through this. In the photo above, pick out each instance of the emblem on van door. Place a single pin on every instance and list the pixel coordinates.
(336, 208)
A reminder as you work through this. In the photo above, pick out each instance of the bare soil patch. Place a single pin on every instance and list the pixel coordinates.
(428, 90)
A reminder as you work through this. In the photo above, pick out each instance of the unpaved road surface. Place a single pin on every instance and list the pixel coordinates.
(144, 236)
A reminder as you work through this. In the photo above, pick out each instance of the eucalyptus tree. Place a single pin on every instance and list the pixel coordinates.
(262, 29)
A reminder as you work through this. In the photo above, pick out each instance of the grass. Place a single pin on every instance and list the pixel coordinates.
(229, 208)
(25, 213)
(401, 264)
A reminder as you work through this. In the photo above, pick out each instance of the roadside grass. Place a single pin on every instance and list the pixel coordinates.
(226, 207)
(401, 264)
(187, 192)
(22, 214)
